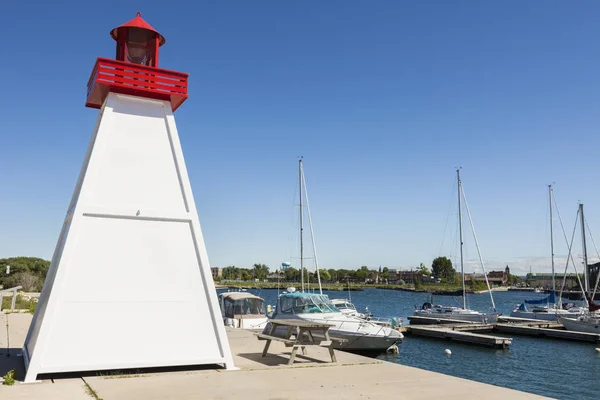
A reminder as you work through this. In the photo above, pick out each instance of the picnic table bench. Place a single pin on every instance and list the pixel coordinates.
(298, 335)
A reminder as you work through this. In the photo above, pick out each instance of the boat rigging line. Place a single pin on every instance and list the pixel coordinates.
(312, 234)
(478, 250)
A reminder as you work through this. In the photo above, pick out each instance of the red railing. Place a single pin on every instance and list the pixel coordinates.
(137, 80)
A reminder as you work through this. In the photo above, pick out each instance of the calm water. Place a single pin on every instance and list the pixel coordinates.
(559, 369)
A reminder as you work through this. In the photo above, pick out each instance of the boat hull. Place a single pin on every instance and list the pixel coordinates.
(544, 316)
(468, 317)
(357, 335)
(246, 323)
(364, 343)
(578, 325)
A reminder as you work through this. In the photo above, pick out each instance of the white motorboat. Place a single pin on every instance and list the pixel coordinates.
(348, 308)
(359, 334)
(243, 310)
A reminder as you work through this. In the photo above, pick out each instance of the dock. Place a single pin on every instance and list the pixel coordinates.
(464, 331)
(312, 376)
(542, 329)
(460, 332)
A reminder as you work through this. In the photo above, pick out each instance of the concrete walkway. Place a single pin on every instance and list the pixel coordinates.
(311, 377)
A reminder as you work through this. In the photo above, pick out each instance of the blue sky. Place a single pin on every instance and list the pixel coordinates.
(382, 99)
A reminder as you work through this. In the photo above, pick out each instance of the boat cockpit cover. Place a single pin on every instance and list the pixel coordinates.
(546, 300)
(301, 303)
(249, 307)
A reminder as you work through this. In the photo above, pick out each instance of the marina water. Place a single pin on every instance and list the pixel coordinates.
(553, 368)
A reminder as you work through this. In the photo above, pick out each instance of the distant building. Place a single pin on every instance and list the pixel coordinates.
(495, 278)
(275, 276)
(593, 270)
(216, 272)
(544, 280)
(409, 276)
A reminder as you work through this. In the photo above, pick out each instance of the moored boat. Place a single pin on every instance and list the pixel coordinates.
(243, 310)
(358, 334)
(430, 310)
(589, 323)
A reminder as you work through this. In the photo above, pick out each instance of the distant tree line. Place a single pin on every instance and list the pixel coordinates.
(28, 272)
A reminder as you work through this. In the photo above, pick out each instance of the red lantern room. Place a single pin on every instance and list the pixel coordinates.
(138, 42)
(135, 71)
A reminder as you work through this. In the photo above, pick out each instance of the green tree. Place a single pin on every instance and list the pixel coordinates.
(245, 274)
(29, 272)
(362, 273)
(292, 274)
(333, 275)
(418, 282)
(423, 270)
(442, 268)
(260, 271)
(385, 273)
(231, 273)
(513, 279)
(477, 285)
(324, 274)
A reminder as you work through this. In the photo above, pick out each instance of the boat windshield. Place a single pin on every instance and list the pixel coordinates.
(345, 306)
(306, 304)
(252, 306)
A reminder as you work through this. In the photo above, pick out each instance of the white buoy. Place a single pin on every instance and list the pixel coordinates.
(597, 349)
(447, 352)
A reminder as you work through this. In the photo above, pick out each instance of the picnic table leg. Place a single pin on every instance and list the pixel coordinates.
(264, 353)
(301, 334)
(293, 356)
(273, 328)
(331, 352)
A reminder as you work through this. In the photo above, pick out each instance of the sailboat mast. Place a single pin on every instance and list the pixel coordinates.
(301, 227)
(585, 258)
(462, 270)
(551, 237)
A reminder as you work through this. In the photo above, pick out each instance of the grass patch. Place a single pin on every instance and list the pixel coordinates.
(21, 304)
(90, 391)
(9, 378)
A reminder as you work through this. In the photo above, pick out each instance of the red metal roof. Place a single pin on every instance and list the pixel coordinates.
(138, 22)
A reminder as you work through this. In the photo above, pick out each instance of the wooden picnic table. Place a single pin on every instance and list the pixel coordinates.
(299, 334)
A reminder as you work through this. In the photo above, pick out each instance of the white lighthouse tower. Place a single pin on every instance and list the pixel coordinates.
(130, 285)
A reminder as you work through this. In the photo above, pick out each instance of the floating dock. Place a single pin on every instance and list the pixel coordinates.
(545, 329)
(463, 333)
(417, 320)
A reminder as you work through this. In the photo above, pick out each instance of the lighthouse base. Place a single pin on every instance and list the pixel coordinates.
(129, 285)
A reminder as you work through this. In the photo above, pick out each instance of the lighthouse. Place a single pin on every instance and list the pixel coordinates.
(129, 285)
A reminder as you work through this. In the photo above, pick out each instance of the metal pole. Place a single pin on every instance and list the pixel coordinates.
(585, 258)
(301, 228)
(462, 271)
(551, 239)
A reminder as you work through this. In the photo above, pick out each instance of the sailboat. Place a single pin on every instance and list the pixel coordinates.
(548, 308)
(358, 334)
(461, 313)
(589, 322)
